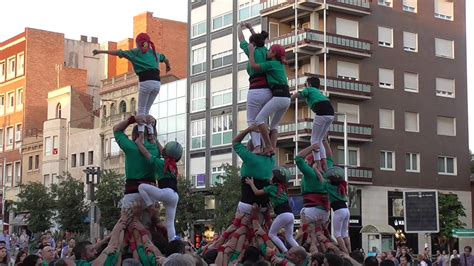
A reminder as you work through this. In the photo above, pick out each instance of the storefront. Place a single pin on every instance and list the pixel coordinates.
(396, 219)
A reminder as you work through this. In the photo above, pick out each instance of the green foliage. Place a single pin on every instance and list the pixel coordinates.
(70, 205)
(190, 206)
(38, 201)
(227, 196)
(450, 210)
(108, 195)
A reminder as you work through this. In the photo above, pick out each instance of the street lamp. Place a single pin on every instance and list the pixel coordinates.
(92, 179)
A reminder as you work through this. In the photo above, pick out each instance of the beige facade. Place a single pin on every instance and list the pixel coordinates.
(84, 151)
(32, 158)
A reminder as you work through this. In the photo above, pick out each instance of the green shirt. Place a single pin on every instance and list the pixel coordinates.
(159, 166)
(145, 259)
(257, 166)
(330, 162)
(260, 56)
(313, 96)
(136, 165)
(81, 263)
(275, 71)
(334, 194)
(310, 182)
(272, 192)
(142, 62)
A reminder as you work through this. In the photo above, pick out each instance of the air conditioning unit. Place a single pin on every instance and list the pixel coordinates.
(55, 151)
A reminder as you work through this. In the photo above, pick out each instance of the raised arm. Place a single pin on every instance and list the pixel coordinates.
(250, 28)
(241, 135)
(168, 65)
(306, 151)
(256, 191)
(142, 148)
(252, 62)
(110, 52)
(327, 147)
(241, 33)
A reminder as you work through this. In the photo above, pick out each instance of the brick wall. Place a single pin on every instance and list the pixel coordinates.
(123, 65)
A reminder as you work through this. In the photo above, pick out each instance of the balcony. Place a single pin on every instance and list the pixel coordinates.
(346, 88)
(312, 42)
(356, 175)
(114, 119)
(281, 9)
(355, 132)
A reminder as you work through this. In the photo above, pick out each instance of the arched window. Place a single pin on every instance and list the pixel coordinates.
(113, 111)
(58, 110)
(123, 107)
(133, 105)
(104, 111)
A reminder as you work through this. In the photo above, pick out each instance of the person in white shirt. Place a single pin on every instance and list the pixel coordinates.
(455, 255)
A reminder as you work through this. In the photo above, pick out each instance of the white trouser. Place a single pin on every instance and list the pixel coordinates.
(256, 99)
(147, 93)
(128, 200)
(341, 223)
(314, 214)
(276, 106)
(321, 126)
(151, 194)
(284, 220)
(246, 208)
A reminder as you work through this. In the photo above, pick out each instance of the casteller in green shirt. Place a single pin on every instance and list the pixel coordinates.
(136, 165)
(313, 96)
(142, 61)
(310, 182)
(275, 71)
(253, 165)
(260, 56)
(272, 193)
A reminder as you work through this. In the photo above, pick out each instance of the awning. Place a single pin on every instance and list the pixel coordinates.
(378, 229)
(463, 233)
(20, 220)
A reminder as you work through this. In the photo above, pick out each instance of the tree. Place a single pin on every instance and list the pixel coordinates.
(70, 205)
(38, 201)
(109, 193)
(190, 205)
(227, 194)
(450, 210)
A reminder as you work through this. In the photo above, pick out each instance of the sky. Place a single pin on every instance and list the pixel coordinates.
(112, 20)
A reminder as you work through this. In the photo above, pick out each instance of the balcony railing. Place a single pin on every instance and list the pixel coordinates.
(308, 36)
(270, 5)
(355, 174)
(113, 119)
(339, 85)
(356, 129)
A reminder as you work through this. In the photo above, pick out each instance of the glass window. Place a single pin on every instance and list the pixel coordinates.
(385, 37)
(412, 122)
(387, 160)
(445, 87)
(447, 165)
(446, 126)
(412, 162)
(386, 119)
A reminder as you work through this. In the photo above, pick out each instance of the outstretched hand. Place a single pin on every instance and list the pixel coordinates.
(249, 181)
(95, 52)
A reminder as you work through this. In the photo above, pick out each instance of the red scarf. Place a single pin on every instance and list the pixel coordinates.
(282, 188)
(143, 38)
(343, 188)
(170, 165)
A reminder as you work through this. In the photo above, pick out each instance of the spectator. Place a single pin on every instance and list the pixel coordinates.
(387, 262)
(6, 239)
(67, 250)
(456, 262)
(50, 239)
(66, 262)
(297, 255)
(20, 257)
(371, 261)
(454, 255)
(3, 255)
(422, 260)
(392, 256)
(48, 254)
(404, 260)
(32, 260)
(23, 241)
(466, 258)
(404, 253)
(59, 249)
(178, 259)
(333, 260)
(84, 252)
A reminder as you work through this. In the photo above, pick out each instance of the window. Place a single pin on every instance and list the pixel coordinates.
(386, 118)
(412, 162)
(18, 132)
(386, 78)
(410, 82)
(351, 110)
(114, 147)
(37, 159)
(113, 110)
(447, 165)
(9, 177)
(221, 51)
(10, 136)
(11, 102)
(1, 139)
(216, 172)
(410, 41)
(198, 29)
(11, 67)
(445, 87)
(222, 59)
(412, 122)
(387, 3)
(30, 163)
(55, 145)
(198, 96)
(81, 159)
(104, 111)
(221, 91)
(347, 70)
(446, 126)
(249, 9)
(347, 27)
(242, 84)
(353, 156)
(17, 174)
(90, 158)
(410, 6)
(198, 64)
(54, 178)
(20, 70)
(222, 21)
(133, 105)
(46, 180)
(198, 134)
(2, 104)
(221, 130)
(73, 160)
(274, 30)
(122, 107)
(387, 160)
(444, 48)
(48, 146)
(444, 9)
(19, 99)
(386, 37)
(2, 71)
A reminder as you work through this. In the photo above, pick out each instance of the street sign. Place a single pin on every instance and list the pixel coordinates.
(421, 211)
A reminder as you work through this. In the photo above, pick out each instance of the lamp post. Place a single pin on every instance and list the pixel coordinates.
(92, 179)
